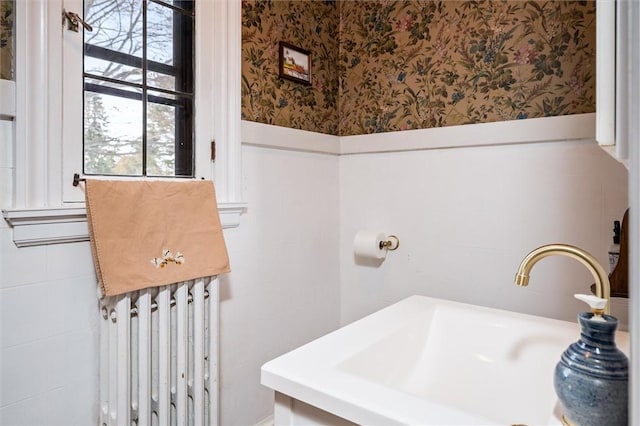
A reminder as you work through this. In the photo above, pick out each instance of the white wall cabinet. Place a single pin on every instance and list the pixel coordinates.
(617, 46)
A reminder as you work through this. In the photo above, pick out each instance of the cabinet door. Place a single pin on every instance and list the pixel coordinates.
(615, 50)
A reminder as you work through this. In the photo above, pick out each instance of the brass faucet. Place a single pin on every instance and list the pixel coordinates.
(599, 274)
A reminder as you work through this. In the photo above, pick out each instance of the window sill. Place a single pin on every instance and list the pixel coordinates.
(36, 227)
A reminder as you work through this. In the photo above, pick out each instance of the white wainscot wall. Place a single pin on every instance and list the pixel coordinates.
(468, 203)
(48, 334)
(466, 217)
(283, 290)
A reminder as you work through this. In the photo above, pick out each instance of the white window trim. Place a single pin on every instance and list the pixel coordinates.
(40, 214)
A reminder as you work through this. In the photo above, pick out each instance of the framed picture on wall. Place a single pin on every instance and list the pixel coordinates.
(295, 63)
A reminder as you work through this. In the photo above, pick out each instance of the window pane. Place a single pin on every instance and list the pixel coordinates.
(169, 135)
(112, 129)
(160, 34)
(160, 80)
(169, 49)
(111, 69)
(117, 29)
(161, 122)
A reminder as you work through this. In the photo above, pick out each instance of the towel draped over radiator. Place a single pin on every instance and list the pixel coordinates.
(158, 247)
(153, 233)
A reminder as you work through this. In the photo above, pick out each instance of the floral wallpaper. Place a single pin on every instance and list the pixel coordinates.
(417, 64)
(421, 64)
(6, 39)
(267, 98)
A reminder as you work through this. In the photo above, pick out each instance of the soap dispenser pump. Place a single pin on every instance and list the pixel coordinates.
(591, 379)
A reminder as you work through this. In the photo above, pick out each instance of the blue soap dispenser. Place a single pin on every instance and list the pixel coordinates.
(591, 379)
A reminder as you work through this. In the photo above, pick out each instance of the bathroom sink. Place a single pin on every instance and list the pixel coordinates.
(430, 361)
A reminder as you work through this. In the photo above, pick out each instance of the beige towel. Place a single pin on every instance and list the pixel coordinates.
(152, 233)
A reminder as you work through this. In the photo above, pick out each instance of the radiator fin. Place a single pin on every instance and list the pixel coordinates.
(159, 356)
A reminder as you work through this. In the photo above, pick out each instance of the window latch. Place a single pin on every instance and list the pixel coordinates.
(74, 21)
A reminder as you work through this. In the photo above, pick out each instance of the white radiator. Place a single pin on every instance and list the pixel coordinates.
(159, 356)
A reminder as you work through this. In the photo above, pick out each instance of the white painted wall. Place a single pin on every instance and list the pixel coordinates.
(283, 289)
(466, 217)
(49, 334)
(283, 292)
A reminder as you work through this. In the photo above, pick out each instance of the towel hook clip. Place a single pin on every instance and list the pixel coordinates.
(77, 179)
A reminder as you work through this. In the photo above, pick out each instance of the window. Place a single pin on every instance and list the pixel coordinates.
(139, 87)
(49, 127)
(191, 62)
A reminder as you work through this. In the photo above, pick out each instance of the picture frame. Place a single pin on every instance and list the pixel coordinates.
(295, 63)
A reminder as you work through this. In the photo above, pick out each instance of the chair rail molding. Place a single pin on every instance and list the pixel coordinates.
(575, 127)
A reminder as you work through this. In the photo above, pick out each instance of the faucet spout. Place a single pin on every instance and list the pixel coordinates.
(599, 274)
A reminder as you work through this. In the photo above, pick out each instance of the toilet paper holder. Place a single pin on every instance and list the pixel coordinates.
(391, 243)
(374, 245)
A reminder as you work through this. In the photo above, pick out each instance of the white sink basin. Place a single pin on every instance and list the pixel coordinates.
(430, 361)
